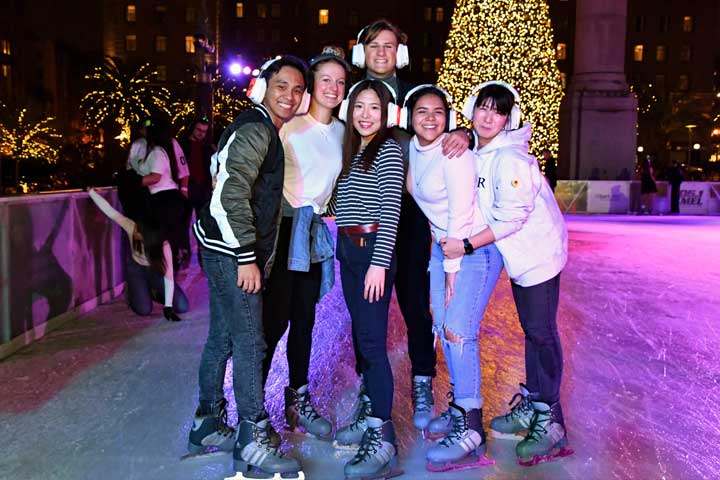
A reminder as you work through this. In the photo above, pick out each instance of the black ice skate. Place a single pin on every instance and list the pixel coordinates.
(254, 456)
(210, 431)
(302, 416)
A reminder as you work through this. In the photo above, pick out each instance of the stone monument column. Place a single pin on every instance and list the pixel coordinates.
(598, 116)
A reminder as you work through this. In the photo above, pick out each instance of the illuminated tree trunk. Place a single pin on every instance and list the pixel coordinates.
(510, 41)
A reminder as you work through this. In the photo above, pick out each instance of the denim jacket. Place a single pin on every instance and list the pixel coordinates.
(311, 242)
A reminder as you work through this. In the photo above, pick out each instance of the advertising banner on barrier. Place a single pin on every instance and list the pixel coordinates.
(694, 198)
(714, 201)
(571, 195)
(608, 197)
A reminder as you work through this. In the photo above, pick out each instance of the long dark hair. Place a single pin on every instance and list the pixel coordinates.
(351, 140)
(158, 135)
(151, 241)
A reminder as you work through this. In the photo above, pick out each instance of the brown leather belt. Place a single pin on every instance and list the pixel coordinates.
(353, 233)
(358, 229)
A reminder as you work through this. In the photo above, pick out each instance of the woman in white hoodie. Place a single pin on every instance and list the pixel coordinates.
(460, 288)
(525, 223)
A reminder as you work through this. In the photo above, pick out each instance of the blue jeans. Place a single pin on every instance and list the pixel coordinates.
(369, 321)
(235, 330)
(145, 285)
(458, 325)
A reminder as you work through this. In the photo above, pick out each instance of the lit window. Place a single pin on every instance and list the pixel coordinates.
(160, 43)
(639, 23)
(275, 35)
(239, 10)
(160, 9)
(275, 10)
(161, 73)
(189, 44)
(130, 13)
(561, 51)
(323, 16)
(685, 53)
(351, 44)
(426, 65)
(130, 43)
(262, 10)
(661, 53)
(438, 65)
(563, 79)
(190, 14)
(260, 35)
(428, 14)
(638, 53)
(439, 14)
(683, 82)
(5, 47)
(6, 71)
(688, 24)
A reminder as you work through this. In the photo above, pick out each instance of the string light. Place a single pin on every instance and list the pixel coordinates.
(125, 97)
(228, 102)
(23, 139)
(512, 42)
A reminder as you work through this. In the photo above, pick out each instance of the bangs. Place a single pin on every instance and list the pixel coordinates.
(497, 98)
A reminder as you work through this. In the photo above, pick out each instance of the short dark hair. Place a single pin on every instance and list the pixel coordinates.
(373, 30)
(413, 99)
(351, 140)
(330, 54)
(285, 61)
(501, 98)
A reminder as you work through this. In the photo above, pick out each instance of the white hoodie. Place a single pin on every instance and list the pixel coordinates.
(520, 209)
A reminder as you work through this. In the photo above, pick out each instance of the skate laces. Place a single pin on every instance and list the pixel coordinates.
(537, 426)
(458, 429)
(422, 396)
(305, 407)
(223, 428)
(521, 408)
(371, 442)
(262, 437)
(363, 411)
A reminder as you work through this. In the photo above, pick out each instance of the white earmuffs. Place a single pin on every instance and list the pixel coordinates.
(514, 120)
(358, 53)
(395, 115)
(407, 115)
(258, 85)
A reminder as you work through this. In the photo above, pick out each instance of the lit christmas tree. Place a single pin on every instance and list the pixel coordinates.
(508, 40)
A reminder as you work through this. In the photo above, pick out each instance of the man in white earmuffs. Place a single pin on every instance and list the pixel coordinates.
(381, 49)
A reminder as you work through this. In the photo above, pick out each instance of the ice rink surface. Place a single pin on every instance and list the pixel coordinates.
(111, 395)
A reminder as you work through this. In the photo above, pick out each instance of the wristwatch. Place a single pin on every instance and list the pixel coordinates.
(468, 246)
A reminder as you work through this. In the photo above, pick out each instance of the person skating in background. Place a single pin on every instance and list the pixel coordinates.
(675, 177)
(550, 169)
(304, 269)
(445, 189)
(648, 187)
(238, 232)
(525, 223)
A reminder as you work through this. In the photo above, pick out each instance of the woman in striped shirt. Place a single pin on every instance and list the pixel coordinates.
(367, 215)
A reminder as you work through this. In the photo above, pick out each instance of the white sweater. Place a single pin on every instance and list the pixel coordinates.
(313, 161)
(445, 191)
(521, 209)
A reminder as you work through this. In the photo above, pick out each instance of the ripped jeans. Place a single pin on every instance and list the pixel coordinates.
(458, 326)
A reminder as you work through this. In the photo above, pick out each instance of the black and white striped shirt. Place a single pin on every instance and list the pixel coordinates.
(374, 197)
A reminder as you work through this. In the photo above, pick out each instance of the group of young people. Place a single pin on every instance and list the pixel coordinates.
(434, 210)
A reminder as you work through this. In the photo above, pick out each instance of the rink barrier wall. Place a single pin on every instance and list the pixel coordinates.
(623, 197)
(59, 257)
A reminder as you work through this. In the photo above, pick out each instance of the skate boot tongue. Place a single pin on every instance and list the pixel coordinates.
(524, 391)
(303, 390)
(374, 422)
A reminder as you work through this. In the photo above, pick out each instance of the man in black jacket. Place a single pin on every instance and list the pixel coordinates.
(237, 231)
(197, 154)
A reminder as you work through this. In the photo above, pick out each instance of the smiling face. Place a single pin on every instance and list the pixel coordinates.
(428, 118)
(381, 54)
(329, 89)
(367, 114)
(284, 94)
(487, 122)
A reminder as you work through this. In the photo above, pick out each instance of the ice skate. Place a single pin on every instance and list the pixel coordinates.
(422, 398)
(441, 425)
(376, 459)
(210, 431)
(254, 456)
(302, 417)
(349, 437)
(546, 439)
(464, 447)
(514, 424)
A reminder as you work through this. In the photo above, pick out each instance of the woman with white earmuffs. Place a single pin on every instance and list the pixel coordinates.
(460, 288)
(367, 214)
(527, 226)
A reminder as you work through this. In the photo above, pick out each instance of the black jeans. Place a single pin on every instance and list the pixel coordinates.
(290, 297)
(169, 209)
(145, 285)
(369, 321)
(537, 308)
(412, 285)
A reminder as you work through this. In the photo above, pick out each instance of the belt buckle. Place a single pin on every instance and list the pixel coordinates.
(362, 242)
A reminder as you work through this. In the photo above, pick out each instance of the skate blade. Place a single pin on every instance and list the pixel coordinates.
(538, 459)
(278, 476)
(205, 454)
(353, 447)
(394, 472)
(300, 432)
(432, 437)
(507, 436)
(476, 462)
